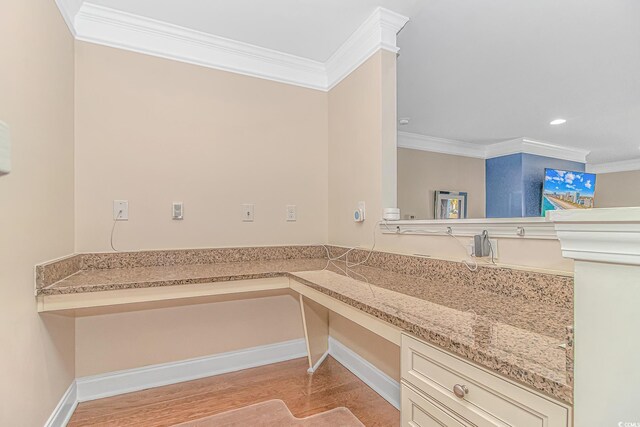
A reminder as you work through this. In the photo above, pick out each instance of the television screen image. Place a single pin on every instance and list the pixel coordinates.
(567, 190)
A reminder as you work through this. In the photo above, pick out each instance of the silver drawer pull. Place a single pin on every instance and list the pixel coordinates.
(460, 390)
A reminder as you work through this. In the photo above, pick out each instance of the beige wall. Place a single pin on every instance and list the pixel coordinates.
(128, 340)
(381, 353)
(36, 219)
(153, 131)
(421, 173)
(618, 189)
(361, 129)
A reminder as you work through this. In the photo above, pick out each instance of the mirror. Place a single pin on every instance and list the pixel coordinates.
(510, 109)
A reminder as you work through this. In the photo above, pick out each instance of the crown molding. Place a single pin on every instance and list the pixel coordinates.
(621, 166)
(609, 235)
(538, 148)
(379, 31)
(114, 28)
(68, 12)
(468, 149)
(440, 145)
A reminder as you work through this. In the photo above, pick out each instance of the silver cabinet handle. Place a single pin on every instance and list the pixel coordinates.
(460, 390)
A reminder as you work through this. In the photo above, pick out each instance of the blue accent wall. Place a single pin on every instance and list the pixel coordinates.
(504, 186)
(514, 183)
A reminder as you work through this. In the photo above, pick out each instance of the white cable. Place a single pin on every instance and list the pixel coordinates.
(331, 260)
(470, 266)
(114, 227)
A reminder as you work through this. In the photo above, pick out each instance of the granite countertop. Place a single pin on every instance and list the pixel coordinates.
(95, 280)
(523, 339)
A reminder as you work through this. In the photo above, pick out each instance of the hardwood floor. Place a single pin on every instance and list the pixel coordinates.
(331, 386)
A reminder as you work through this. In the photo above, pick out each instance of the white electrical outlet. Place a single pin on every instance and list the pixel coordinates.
(247, 212)
(121, 210)
(291, 213)
(177, 210)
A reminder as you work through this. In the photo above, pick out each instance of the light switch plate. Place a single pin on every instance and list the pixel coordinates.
(247, 212)
(291, 213)
(121, 210)
(177, 210)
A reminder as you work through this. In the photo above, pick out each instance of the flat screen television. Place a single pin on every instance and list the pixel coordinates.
(567, 190)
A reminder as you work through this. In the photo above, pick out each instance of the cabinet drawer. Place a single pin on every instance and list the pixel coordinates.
(490, 400)
(419, 411)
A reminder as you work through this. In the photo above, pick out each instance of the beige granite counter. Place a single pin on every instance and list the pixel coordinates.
(520, 334)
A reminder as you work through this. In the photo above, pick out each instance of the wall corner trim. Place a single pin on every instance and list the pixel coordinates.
(377, 32)
(63, 411)
(380, 382)
(110, 27)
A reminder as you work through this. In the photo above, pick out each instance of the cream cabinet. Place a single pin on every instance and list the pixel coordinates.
(440, 389)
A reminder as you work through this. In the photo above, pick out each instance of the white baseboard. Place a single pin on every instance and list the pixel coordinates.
(380, 382)
(127, 381)
(120, 382)
(62, 413)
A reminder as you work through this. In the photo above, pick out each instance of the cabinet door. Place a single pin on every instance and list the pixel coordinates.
(419, 411)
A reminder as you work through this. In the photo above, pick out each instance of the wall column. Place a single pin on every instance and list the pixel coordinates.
(605, 244)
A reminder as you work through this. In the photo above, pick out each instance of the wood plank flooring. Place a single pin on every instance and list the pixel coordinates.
(331, 386)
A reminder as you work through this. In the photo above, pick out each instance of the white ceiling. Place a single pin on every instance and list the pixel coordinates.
(312, 29)
(494, 70)
(473, 71)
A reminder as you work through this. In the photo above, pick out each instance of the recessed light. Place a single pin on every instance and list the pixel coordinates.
(557, 122)
(404, 121)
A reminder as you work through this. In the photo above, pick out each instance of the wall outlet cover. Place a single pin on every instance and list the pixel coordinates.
(291, 213)
(247, 212)
(120, 210)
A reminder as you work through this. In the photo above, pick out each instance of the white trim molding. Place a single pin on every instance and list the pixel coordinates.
(130, 380)
(610, 235)
(441, 145)
(621, 166)
(63, 411)
(461, 148)
(127, 381)
(110, 27)
(516, 228)
(377, 32)
(539, 148)
(68, 10)
(380, 382)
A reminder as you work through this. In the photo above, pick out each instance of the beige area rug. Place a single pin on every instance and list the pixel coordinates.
(276, 413)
